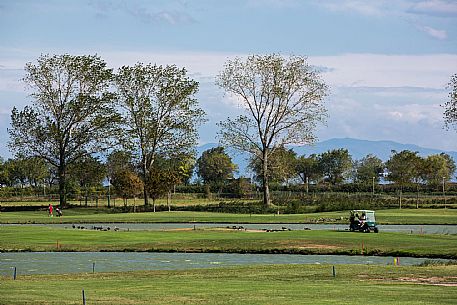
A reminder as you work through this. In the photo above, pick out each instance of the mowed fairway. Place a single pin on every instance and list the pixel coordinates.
(279, 284)
(92, 215)
(39, 238)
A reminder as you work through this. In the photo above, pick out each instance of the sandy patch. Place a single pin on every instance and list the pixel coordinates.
(448, 281)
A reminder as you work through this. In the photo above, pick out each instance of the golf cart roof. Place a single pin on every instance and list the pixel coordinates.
(363, 211)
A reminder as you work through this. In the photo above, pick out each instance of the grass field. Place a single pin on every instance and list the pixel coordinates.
(92, 215)
(279, 284)
(28, 238)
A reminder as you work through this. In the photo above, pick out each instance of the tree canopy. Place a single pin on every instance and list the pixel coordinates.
(71, 115)
(282, 98)
(165, 173)
(438, 167)
(402, 168)
(335, 165)
(368, 168)
(160, 113)
(215, 166)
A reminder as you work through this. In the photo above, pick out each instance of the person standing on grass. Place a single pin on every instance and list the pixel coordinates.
(50, 208)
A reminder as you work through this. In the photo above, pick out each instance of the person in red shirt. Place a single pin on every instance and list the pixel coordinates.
(50, 209)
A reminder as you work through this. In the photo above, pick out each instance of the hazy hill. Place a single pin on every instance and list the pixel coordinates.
(357, 148)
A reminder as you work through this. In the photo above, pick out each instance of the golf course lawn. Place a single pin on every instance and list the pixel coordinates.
(42, 238)
(92, 215)
(263, 284)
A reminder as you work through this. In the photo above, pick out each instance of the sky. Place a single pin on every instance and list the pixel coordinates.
(387, 62)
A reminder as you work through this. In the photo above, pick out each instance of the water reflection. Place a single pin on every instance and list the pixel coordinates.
(74, 262)
(411, 229)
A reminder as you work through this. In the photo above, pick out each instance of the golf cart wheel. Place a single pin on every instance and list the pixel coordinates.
(376, 230)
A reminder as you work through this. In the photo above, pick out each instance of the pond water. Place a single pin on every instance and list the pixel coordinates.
(75, 262)
(412, 229)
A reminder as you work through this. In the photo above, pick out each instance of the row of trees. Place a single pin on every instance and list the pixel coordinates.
(215, 169)
(82, 109)
(333, 167)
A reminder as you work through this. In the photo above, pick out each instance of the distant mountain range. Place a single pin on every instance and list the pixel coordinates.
(356, 147)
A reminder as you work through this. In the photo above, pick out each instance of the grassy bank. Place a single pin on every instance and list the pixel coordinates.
(280, 284)
(91, 215)
(27, 238)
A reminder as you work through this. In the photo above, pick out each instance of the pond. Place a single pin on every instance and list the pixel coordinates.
(412, 229)
(75, 262)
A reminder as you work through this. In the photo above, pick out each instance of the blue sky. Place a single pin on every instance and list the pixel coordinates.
(387, 62)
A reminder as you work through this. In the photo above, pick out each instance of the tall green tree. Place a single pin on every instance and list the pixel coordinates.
(336, 165)
(283, 102)
(17, 171)
(71, 116)
(403, 168)
(160, 113)
(215, 167)
(369, 169)
(450, 165)
(88, 173)
(438, 167)
(126, 183)
(165, 174)
(308, 170)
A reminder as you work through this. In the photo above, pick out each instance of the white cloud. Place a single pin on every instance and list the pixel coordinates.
(357, 113)
(438, 34)
(168, 12)
(435, 8)
(356, 70)
(273, 3)
(377, 70)
(428, 115)
(10, 80)
(373, 8)
(353, 70)
(412, 11)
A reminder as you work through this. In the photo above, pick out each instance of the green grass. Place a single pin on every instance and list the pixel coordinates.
(417, 216)
(92, 215)
(27, 238)
(279, 284)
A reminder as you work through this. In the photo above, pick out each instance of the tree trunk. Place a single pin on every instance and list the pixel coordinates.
(307, 185)
(169, 200)
(62, 185)
(145, 177)
(109, 193)
(86, 195)
(266, 188)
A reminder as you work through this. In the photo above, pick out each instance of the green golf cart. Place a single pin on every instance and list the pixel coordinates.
(362, 221)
